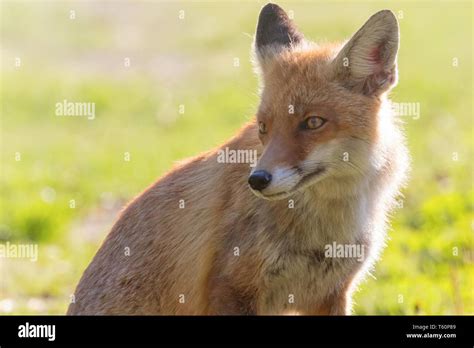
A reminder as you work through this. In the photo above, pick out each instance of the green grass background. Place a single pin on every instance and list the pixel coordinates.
(427, 267)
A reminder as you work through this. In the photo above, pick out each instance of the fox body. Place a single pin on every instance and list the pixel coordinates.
(331, 159)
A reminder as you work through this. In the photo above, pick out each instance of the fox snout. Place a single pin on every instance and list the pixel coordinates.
(282, 170)
(275, 183)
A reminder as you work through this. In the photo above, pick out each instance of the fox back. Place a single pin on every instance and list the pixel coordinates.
(296, 232)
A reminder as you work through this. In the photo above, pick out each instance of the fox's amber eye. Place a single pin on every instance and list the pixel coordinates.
(262, 128)
(313, 122)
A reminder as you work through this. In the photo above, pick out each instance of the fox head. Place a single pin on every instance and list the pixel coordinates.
(320, 111)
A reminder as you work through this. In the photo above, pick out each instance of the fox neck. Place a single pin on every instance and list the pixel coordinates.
(340, 201)
(338, 211)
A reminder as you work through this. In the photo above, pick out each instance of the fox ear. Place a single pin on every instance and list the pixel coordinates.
(367, 62)
(275, 32)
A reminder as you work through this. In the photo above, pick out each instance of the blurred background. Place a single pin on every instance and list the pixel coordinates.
(171, 79)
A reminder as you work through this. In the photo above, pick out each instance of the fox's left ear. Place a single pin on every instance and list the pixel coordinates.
(367, 62)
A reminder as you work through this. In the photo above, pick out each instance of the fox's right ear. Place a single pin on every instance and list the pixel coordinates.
(367, 62)
(275, 32)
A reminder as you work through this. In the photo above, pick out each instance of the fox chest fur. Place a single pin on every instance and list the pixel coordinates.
(279, 258)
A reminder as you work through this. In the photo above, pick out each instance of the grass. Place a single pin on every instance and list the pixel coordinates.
(427, 265)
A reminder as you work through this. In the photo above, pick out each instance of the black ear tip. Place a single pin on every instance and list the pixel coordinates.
(274, 27)
(272, 13)
(271, 9)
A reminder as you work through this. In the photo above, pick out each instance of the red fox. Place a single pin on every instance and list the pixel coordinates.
(296, 231)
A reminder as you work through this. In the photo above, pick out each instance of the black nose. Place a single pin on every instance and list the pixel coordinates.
(260, 179)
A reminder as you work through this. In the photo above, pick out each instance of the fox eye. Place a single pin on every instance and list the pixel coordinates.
(262, 128)
(313, 122)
